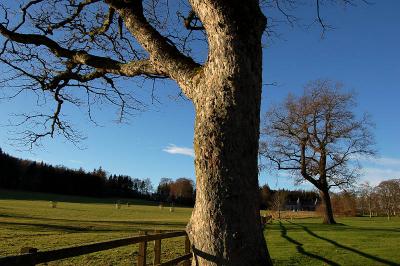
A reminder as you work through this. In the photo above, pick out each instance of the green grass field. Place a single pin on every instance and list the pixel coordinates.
(26, 219)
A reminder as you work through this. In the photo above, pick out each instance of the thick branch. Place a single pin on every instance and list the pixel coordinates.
(303, 170)
(163, 54)
(133, 68)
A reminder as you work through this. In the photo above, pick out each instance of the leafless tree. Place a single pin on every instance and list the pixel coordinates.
(317, 138)
(278, 201)
(366, 194)
(73, 52)
(388, 196)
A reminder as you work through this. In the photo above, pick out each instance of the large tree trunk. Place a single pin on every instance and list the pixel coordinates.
(328, 211)
(225, 227)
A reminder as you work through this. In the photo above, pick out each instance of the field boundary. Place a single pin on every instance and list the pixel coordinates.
(36, 257)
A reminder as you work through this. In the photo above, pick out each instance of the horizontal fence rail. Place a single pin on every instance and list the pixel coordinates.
(68, 252)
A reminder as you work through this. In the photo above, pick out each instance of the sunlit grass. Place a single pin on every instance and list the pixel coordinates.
(27, 219)
(354, 241)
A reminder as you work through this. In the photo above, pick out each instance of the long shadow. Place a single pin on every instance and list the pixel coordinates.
(123, 222)
(68, 228)
(82, 229)
(361, 253)
(345, 227)
(299, 247)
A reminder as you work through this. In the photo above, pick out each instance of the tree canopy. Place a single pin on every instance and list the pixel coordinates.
(317, 137)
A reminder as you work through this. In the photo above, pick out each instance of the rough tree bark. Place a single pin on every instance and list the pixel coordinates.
(322, 185)
(225, 226)
(327, 206)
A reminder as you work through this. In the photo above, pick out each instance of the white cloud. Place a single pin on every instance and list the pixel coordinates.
(378, 169)
(382, 161)
(377, 175)
(173, 149)
(386, 161)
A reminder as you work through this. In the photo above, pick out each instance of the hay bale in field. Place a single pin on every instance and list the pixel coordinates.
(25, 250)
(53, 204)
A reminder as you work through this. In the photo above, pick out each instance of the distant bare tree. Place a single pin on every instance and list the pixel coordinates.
(388, 195)
(396, 196)
(366, 194)
(317, 138)
(278, 201)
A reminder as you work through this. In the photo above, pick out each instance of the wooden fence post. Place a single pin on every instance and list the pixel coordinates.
(141, 261)
(29, 250)
(157, 250)
(187, 250)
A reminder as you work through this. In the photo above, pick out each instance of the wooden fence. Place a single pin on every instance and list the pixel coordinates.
(36, 257)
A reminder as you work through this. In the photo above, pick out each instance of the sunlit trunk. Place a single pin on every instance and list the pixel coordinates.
(328, 210)
(225, 227)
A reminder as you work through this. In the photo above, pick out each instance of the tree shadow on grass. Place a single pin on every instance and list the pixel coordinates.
(99, 222)
(85, 226)
(64, 228)
(344, 227)
(361, 253)
(299, 247)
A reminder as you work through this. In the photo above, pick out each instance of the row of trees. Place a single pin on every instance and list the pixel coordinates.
(383, 199)
(34, 176)
(367, 200)
(29, 175)
(41, 177)
(363, 200)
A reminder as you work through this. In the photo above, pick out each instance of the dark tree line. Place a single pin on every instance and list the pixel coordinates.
(268, 197)
(35, 176)
(20, 174)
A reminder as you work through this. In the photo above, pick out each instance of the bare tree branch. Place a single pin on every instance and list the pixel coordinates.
(317, 135)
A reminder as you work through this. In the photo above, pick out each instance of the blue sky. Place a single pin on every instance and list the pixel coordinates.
(362, 52)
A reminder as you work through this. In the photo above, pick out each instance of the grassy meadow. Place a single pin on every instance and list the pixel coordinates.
(27, 219)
